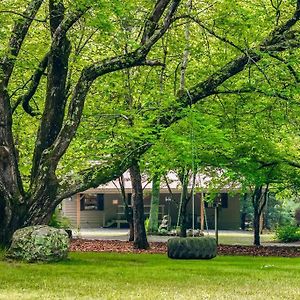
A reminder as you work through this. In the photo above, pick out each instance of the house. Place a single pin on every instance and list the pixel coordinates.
(103, 206)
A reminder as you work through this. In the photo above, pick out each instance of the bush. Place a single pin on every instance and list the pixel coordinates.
(162, 231)
(288, 233)
(147, 225)
(192, 248)
(59, 221)
(297, 216)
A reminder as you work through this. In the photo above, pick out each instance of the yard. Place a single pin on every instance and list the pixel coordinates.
(152, 276)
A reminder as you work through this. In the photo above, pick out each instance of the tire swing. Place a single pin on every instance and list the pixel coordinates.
(200, 247)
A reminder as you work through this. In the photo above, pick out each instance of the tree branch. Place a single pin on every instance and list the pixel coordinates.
(210, 31)
(152, 21)
(35, 80)
(19, 33)
(199, 91)
(23, 16)
(91, 73)
(105, 171)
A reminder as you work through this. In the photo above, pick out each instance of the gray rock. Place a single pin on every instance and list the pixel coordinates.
(39, 243)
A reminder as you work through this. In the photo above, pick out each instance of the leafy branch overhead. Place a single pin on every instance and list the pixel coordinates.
(280, 39)
(98, 80)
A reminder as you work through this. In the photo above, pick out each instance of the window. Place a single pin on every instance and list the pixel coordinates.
(82, 201)
(224, 200)
(92, 202)
(129, 198)
(100, 201)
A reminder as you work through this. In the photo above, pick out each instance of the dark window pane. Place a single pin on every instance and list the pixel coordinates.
(100, 201)
(224, 200)
(82, 202)
(129, 197)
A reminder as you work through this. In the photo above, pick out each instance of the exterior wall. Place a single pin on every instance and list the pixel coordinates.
(229, 218)
(91, 218)
(69, 210)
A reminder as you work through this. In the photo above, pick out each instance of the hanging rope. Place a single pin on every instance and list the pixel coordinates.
(192, 142)
(205, 218)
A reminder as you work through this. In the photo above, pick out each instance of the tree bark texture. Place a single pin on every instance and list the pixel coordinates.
(140, 237)
(12, 196)
(259, 200)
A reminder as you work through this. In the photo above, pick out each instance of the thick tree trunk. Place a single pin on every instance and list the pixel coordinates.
(131, 232)
(140, 238)
(15, 215)
(183, 219)
(11, 191)
(259, 200)
(12, 218)
(154, 209)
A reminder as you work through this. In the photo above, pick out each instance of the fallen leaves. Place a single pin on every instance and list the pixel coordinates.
(84, 245)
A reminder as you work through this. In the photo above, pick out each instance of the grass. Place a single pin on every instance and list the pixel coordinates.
(225, 237)
(243, 238)
(146, 276)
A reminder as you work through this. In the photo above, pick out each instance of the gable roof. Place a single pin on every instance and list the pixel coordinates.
(169, 182)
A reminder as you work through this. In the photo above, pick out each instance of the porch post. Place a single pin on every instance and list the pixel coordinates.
(78, 210)
(201, 213)
(217, 222)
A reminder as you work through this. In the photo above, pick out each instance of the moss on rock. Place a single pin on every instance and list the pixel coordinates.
(39, 243)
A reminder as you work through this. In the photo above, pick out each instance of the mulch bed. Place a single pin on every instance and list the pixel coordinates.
(161, 248)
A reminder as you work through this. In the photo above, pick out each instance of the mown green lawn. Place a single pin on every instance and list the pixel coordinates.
(146, 276)
(243, 238)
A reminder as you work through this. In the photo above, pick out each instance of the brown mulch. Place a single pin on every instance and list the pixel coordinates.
(161, 248)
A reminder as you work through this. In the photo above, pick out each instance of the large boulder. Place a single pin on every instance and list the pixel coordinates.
(39, 243)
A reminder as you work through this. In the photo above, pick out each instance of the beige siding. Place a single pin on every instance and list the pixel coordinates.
(90, 218)
(69, 210)
(229, 218)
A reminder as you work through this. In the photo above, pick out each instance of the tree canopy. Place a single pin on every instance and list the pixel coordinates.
(86, 86)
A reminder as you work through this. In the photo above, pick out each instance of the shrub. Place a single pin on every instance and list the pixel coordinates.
(288, 233)
(59, 221)
(192, 248)
(147, 225)
(162, 231)
(297, 216)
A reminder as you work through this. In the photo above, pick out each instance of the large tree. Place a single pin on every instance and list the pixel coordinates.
(58, 124)
(60, 48)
